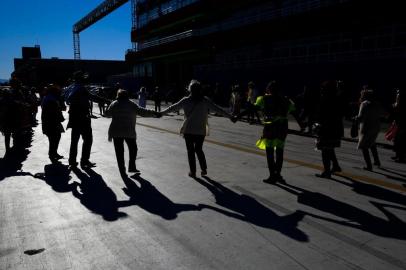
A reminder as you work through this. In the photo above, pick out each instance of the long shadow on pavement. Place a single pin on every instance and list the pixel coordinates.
(248, 209)
(57, 176)
(349, 215)
(372, 190)
(149, 198)
(95, 195)
(12, 162)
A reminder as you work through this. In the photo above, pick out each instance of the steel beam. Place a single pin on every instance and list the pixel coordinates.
(98, 13)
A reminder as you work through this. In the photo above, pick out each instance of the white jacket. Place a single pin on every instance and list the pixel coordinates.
(196, 114)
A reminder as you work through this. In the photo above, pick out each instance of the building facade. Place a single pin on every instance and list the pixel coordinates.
(297, 42)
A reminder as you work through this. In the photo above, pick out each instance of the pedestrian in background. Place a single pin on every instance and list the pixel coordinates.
(122, 128)
(369, 126)
(142, 97)
(331, 128)
(250, 104)
(195, 126)
(235, 100)
(157, 99)
(52, 118)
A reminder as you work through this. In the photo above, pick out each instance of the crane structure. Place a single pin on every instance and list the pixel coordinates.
(95, 15)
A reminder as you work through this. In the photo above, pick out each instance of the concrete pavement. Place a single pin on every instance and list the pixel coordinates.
(53, 218)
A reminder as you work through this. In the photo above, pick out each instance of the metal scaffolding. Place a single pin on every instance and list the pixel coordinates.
(95, 15)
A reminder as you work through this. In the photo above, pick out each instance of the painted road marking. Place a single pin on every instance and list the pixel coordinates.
(355, 177)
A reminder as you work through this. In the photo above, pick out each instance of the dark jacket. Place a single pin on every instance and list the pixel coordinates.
(51, 116)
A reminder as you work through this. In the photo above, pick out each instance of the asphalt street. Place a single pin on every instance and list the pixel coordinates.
(54, 218)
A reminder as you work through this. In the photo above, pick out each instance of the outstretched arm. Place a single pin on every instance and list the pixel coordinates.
(212, 106)
(175, 107)
(145, 112)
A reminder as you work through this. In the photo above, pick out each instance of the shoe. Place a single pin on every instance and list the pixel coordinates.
(367, 169)
(87, 164)
(57, 156)
(279, 178)
(270, 180)
(324, 175)
(203, 173)
(133, 170)
(377, 164)
(336, 169)
(73, 164)
(192, 174)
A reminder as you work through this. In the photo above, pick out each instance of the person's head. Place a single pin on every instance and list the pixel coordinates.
(122, 94)
(328, 89)
(251, 85)
(272, 88)
(143, 89)
(53, 89)
(367, 94)
(195, 89)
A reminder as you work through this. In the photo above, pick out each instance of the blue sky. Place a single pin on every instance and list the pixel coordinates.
(48, 23)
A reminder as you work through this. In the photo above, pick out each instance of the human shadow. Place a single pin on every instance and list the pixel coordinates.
(57, 176)
(95, 195)
(149, 198)
(373, 191)
(12, 162)
(351, 216)
(246, 208)
(394, 172)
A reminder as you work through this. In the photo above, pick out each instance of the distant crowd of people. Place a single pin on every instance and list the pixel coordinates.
(321, 113)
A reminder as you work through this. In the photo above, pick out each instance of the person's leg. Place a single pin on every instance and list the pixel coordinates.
(271, 161)
(87, 137)
(375, 155)
(53, 145)
(159, 107)
(336, 166)
(326, 157)
(119, 149)
(190, 146)
(199, 139)
(367, 158)
(132, 149)
(278, 161)
(73, 151)
(7, 140)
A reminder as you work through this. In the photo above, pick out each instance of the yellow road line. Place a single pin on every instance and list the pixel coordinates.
(355, 177)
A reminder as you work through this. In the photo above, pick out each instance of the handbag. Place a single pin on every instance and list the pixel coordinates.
(354, 128)
(391, 133)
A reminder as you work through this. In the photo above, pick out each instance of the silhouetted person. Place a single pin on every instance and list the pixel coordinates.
(250, 104)
(78, 99)
(15, 115)
(194, 129)
(236, 99)
(369, 127)
(122, 128)
(52, 118)
(331, 128)
(157, 99)
(275, 108)
(142, 97)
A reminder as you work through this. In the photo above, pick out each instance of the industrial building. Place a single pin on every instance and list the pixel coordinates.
(297, 42)
(34, 70)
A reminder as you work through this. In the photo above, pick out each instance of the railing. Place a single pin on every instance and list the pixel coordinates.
(256, 15)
